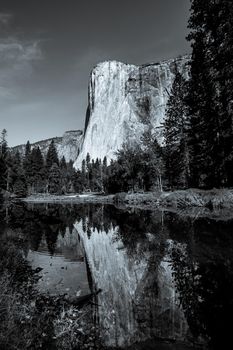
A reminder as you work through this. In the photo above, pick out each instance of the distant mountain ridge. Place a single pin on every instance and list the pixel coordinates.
(67, 145)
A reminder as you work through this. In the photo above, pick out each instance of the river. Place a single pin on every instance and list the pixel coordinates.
(166, 279)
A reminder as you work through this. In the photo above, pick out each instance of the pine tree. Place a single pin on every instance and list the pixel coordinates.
(88, 166)
(174, 134)
(3, 142)
(63, 165)
(104, 171)
(83, 174)
(20, 184)
(3, 161)
(78, 182)
(219, 25)
(52, 156)
(208, 101)
(70, 177)
(37, 176)
(54, 179)
(64, 175)
(3, 173)
(27, 161)
(105, 162)
(15, 170)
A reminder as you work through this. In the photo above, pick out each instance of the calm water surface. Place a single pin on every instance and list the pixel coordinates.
(165, 278)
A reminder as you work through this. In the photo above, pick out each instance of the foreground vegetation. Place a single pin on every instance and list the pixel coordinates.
(193, 202)
(30, 320)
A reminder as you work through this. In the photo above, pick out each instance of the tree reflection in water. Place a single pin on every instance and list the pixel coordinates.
(163, 275)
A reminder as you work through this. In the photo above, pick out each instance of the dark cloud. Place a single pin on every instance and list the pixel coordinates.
(48, 47)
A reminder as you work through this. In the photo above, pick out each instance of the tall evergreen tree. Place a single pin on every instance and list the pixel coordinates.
(20, 184)
(70, 177)
(27, 161)
(83, 174)
(15, 170)
(78, 182)
(88, 166)
(64, 175)
(3, 160)
(219, 25)
(37, 178)
(176, 153)
(54, 179)
(208, 100)
(63, 164)
(52, 156)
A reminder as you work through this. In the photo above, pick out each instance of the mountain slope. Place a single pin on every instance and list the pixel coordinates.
(68, 145)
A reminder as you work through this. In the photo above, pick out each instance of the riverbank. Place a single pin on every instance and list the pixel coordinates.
(75, 199)
(214, 204)
(181, 199)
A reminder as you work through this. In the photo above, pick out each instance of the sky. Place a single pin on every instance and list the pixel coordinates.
(49, 47)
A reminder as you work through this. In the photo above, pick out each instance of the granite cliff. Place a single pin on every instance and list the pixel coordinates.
(124, 100)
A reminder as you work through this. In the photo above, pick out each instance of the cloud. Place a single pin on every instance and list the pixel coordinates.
(16, 63)
(5, 93)
(17, 58)
(5, 19)
(14, 51)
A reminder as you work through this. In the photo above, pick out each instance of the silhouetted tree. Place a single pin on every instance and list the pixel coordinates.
(3, 160)
(176, 150)
(54, 179)
(52, 156)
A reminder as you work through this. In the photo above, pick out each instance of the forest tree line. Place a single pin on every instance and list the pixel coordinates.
(30, 173)
(198, 129)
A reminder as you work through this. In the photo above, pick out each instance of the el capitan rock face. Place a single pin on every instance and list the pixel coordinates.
(123, 101)
(67, 145)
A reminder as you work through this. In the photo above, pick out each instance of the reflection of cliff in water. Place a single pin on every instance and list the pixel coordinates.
(150, 266)
(138, 301)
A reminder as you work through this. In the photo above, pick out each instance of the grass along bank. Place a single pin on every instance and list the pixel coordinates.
(215, 199)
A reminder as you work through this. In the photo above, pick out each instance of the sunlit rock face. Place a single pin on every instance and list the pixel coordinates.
(123, 101)
(68, 145)
(138, 299)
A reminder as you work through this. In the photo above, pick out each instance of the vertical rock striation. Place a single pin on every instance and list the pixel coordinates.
(124, 100)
